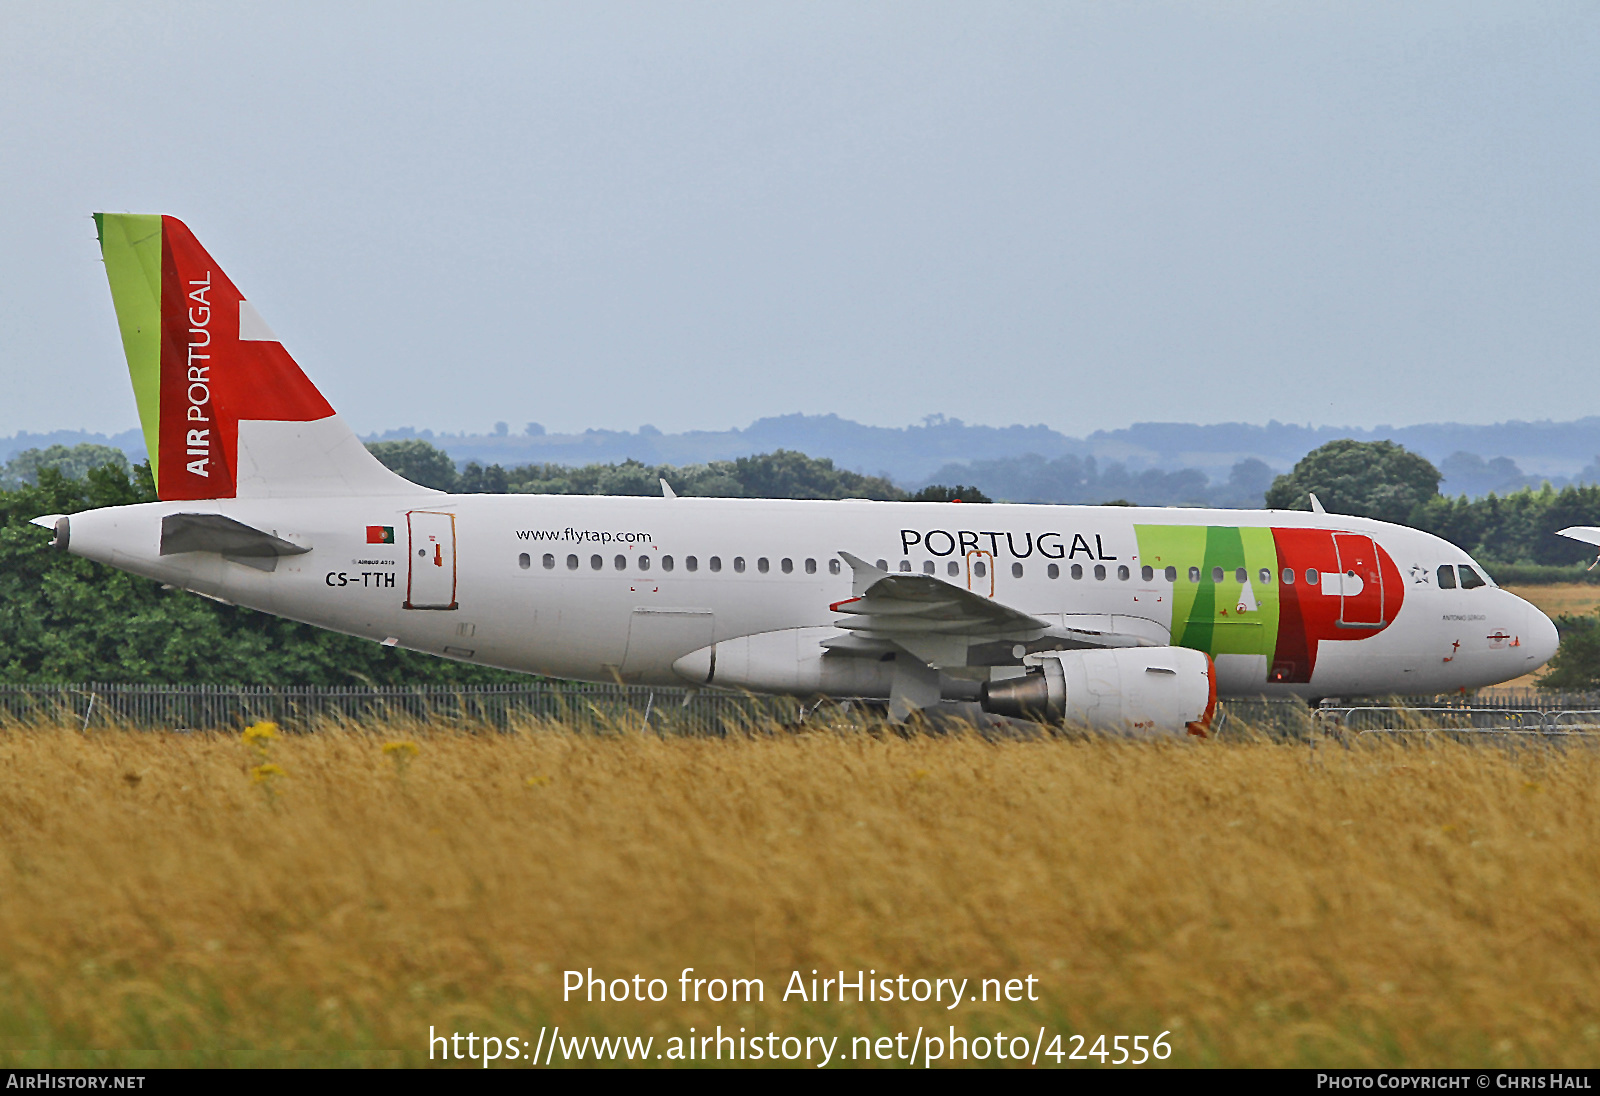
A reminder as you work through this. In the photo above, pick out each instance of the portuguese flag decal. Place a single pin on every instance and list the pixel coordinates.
(380, 534)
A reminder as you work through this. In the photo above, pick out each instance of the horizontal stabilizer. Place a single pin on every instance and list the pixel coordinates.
(231, 539)
(1589, 534)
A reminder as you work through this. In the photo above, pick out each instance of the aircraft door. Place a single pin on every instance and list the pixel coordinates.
(1360, 580)
(431, 576)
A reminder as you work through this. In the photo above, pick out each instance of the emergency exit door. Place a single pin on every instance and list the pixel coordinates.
(431, 577)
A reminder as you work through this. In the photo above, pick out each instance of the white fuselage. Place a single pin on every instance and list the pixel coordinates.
(607, 588)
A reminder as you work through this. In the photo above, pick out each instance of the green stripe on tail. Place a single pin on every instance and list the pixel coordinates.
(131, 246)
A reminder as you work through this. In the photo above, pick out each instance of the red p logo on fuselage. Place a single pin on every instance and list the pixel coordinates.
(1331, 586)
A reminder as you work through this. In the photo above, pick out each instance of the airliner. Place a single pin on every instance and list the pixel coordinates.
(1128, 619)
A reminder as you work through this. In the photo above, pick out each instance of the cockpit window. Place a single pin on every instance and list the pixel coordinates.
(1447, 577)
(1470, 578)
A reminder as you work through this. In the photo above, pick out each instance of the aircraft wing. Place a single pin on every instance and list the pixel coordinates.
(939, 622)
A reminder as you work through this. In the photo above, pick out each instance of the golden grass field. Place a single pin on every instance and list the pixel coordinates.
(165, 901)
(1577, 598)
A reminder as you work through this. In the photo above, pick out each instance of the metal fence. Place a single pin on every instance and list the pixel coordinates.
(601, 708)
(1460, 722)
(583, 705)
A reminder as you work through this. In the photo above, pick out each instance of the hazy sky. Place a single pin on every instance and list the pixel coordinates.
(695, 215)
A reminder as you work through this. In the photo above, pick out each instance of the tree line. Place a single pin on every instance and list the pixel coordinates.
(1513, 535)
(781, 474)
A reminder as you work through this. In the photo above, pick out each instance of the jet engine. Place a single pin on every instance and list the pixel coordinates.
(1139, 690)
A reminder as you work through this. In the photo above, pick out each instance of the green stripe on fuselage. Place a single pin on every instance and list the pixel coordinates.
(1206, 615)
(131, 246)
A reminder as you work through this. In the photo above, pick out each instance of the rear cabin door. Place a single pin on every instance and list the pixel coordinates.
(431, 578)
(1360, 581)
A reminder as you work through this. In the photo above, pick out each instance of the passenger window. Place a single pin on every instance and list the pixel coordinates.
(595, 563)
(1147, 573)
(927, 566)
(715, 564)
(952, 568)
(525, 561)
(644, 563)
(1241, 576)
(883, 565)
(1077, 570)
(1100, 572)
(1172, 574)
(1313, 576)
(1470, 579)
(572, 563)
(905, 565)
(811, 566)
(549, 562)
(1216, 574)
(1123, 572)
(621, 562)
(762, 565)
(1447, 577)
(1053, 571)
(1194, 574)
(738, 565)
(1288, 576)
(787, 566)
(833, 567)
(666, 563)
(692, 562)
(1266, 576)
(979, 569)
(1016, 570)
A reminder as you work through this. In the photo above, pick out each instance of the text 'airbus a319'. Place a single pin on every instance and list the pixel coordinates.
(1123, 618)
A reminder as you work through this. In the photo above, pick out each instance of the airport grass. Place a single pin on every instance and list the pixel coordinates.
(1574, 598)
(326, 898)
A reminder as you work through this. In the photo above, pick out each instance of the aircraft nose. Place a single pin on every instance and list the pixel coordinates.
(1540, 638)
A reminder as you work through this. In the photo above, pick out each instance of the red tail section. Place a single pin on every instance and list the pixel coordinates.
(220, 363)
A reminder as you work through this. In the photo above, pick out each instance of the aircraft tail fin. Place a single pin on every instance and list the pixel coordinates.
(226, 412)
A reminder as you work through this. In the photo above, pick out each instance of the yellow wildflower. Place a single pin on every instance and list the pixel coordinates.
(401, 753)
(260, 735)
(261, 774)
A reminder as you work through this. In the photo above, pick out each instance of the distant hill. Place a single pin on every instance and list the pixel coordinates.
(1154, 462)
(909, 454)
(130, 442)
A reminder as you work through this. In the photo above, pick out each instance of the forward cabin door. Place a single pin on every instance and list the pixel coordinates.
(431, 578)
(1360, 581)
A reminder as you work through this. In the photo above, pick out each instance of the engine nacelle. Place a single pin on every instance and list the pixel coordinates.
(1139, 690)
